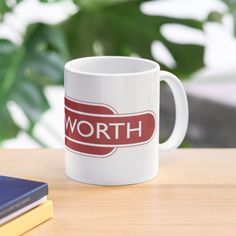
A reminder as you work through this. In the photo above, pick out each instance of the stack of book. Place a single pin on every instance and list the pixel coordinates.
(23, 205)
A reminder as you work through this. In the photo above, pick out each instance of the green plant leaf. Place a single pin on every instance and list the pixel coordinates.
(26, 70)
(232, 10)
(8, 128)
(91, 5)
(122, 29)
(4, 7)
(49, 1)
(101, 27)
(7, 6)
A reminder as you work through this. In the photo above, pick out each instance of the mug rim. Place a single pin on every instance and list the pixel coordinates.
(155, 66)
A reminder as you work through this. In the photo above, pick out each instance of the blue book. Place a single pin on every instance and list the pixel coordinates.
(16, 194)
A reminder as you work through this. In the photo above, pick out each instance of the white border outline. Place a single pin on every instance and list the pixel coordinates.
(90, 103)
(115, 147)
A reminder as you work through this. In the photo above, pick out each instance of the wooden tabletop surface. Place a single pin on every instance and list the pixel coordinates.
(194, 194)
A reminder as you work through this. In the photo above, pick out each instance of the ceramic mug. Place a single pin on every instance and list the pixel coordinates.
(112, 119)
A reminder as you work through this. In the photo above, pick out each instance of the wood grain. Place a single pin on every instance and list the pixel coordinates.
(194, 194)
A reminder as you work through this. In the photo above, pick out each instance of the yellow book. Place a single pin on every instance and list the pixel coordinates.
(28, 220)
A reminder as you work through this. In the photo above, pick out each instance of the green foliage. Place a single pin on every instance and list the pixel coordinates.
(90, 5)
(122, 29)
(232, 10)
(101, 27)
(24, 73)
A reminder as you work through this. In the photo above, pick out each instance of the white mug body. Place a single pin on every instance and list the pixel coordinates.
(115, 88)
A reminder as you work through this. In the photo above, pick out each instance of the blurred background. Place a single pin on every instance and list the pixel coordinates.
(193, 39)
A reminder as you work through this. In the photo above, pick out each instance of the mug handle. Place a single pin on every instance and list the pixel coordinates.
(181, 111)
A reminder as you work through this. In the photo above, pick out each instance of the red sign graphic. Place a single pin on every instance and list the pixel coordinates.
(97, 130)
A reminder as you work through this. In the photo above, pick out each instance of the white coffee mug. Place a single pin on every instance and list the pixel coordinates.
(112, 119)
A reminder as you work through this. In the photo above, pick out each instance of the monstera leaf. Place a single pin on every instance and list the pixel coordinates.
(25, 70)
(101, 27)
(7, 6)
(120, 28)
(232, 10)
(4, 8)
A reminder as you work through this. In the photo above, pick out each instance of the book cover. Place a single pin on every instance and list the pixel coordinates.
(18, 193)
(22, 211)
(28, 221)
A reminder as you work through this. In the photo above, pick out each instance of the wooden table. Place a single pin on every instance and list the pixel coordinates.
(194, 194)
